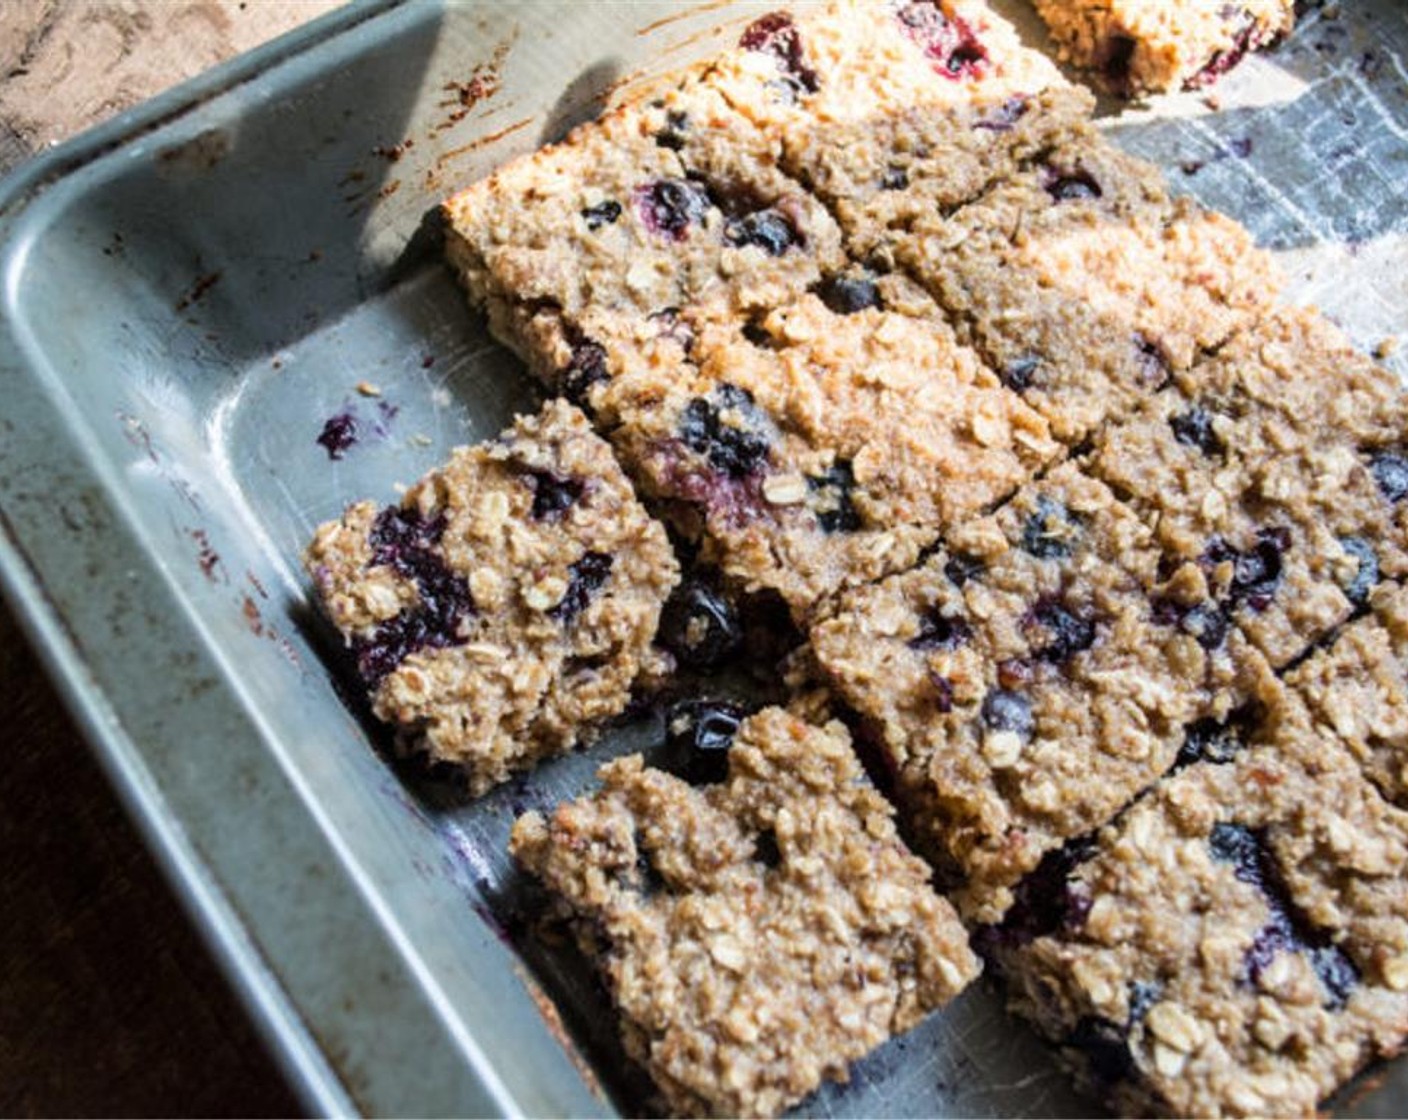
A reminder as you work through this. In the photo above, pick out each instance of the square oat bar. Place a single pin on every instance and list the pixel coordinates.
(1258, 471)
(880, 176)
(1084, 284)
(1236, 944)
(1147, 46)
(825, 445)
(758, 934)
(584, 253)
(501, 612)
(860, 61)
(1023, 685)
(1357, 688)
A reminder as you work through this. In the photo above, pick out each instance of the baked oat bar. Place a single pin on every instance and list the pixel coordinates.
(757, 933)
(862, 60)
(502, 610)
(1147, 46)
(1235, 945)
(880, 175)
(1251, 471)
(584, 254)
(1084, 284)
(1024, 684)
(825, 445)
(1357, 689)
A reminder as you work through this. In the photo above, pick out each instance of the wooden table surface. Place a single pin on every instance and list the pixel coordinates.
(110, 1004)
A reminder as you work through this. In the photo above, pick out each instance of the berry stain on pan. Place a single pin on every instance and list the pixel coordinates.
(345, 429)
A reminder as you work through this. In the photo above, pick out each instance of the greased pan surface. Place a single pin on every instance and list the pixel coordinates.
(192, 292)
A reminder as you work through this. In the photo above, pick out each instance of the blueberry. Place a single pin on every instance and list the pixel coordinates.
(1071, 185)
(650, 879)
(1391, 473)
(947, 41)
(1106, 1049)
(775, 34)
(584, 579)
(1019, 373)
(941, 632)
(602, 214)
(943, 693)
(1069, 632)
(1209, 741)
(553, 494)
(1003, 117)
(960, 569)
(409, 544)
(700, 733)
(728, 428)
(1009, 711)
(672, 136)
(338, 434)
(1194, 429)
(671, 206)
(845, 295)
(1256, 573)
(1337, 973)
(768, 229)
(1206, 622)
(700, 625)
(1047, 900)
(894, 179)
(1143, 994)
(1149, 357)
(670, 324)
(1366, 574)
(831, 498)
(1242, 848)
(766, 851)
(585, 367)
(404, 539)
(1048, 531)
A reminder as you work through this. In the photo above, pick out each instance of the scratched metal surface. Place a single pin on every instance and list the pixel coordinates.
(192, 292)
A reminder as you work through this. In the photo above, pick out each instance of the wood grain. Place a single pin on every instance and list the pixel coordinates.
(112, 1004)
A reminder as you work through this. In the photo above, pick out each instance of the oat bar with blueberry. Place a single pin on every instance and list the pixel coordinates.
(759, 930)
(1258, 470)
(860, 61)
(1022, 684)
(500, 613)
(584, 254)
(1084, 285)
(880, 175)
(1235, 944)
(1357, 689)
(1148, 46)
(827, 444)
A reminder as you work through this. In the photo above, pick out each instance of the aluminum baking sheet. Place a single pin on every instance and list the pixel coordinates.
(192, 291)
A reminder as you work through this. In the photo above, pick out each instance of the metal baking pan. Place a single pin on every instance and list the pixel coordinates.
(193, 290)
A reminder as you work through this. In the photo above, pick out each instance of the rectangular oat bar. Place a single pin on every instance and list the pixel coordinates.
(1236, 944)
(1085, 285)
(881, 175)
(1357, 688)
(1148, 46)
(1023, 684)
(828, 443)
(584, 253)
(1257, 472)
(757, 934)
(501, 612)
